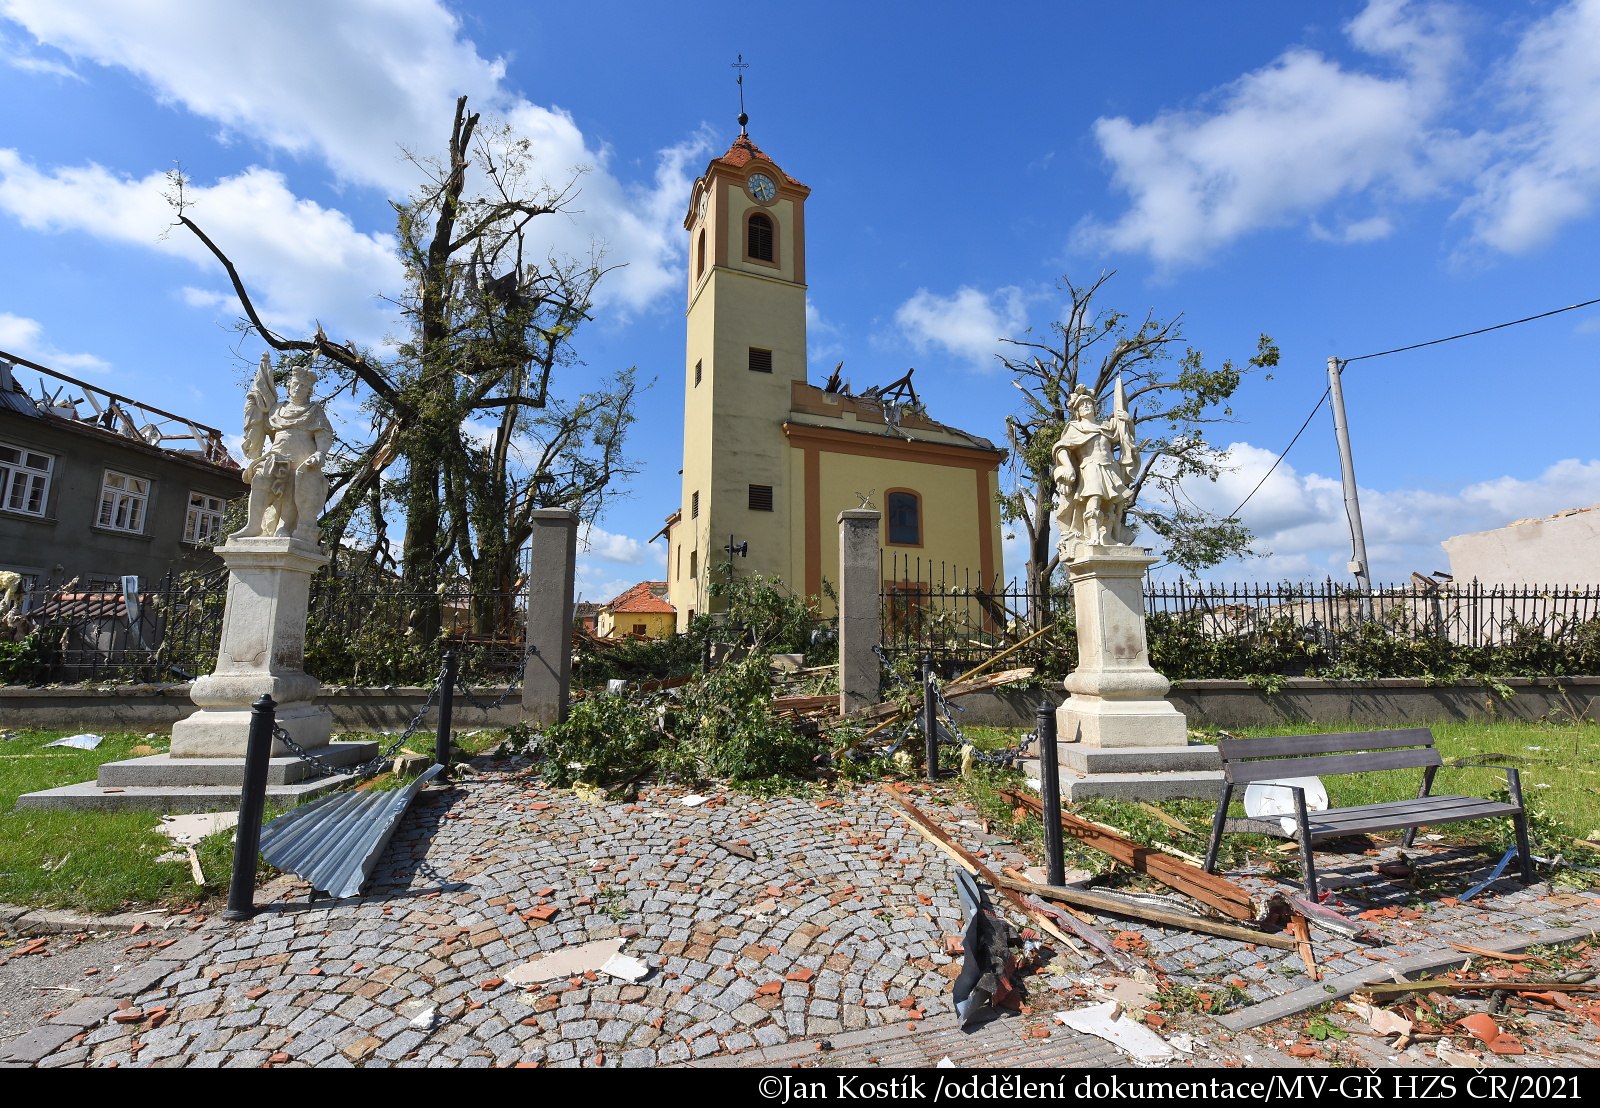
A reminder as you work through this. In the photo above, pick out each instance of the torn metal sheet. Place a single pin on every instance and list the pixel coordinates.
(334, 841)
(984, 985)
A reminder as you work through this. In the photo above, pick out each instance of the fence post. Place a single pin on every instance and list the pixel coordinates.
(252, 804)
(930, 719)
(552, 561)
(860, 607)
(447, 704)
(1050, 792)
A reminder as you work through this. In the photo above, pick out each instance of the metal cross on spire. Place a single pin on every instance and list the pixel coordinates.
(740, 66)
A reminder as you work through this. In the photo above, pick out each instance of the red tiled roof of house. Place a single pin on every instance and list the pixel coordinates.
(743, 152)
(643, 598)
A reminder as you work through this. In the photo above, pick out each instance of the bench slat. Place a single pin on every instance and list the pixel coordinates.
(1241, 773)
(1442, 805)
(1340, 743)
(1359, 821)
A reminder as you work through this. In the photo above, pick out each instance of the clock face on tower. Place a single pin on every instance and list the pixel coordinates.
(761, 187)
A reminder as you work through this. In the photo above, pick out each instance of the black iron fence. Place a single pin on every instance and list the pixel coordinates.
(362, 629)
(1200, 629)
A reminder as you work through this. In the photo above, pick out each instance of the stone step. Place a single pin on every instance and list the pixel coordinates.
(1137, 759)
(175, 798)
(1169, 785)
(165, 771)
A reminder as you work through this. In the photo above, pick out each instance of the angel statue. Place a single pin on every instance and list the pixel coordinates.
(1094, 481)
(285, 444)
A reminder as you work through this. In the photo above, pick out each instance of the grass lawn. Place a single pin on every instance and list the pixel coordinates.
(91, 861)
(1560, 784)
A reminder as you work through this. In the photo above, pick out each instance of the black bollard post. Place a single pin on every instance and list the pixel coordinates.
(930, 718)
(252, 803)
(447, 703)
(1050, 788)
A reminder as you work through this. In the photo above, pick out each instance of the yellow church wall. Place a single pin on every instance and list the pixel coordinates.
(736, 207)
(959, 517)
(657, 625)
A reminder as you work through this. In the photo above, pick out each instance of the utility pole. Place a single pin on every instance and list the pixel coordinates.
(1352, 503)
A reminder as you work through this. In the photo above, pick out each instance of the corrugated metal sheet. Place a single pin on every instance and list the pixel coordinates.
(334, 841)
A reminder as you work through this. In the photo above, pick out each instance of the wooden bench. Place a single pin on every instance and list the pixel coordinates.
(1272, 759)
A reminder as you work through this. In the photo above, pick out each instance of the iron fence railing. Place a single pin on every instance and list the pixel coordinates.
(933, 608)
(362, 629)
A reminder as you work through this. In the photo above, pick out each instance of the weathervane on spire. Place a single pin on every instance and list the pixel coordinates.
(741, 65)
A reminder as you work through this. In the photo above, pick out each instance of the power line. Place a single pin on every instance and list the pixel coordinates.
(1469, 334)
(1281, 454)
(1397, 350)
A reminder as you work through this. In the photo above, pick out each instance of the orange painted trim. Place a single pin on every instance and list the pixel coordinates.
(813, 499)
(867, 445)
(921, 525)
(985, 528)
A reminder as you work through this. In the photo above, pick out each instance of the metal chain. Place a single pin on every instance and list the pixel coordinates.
(371, 766)
(515, 681)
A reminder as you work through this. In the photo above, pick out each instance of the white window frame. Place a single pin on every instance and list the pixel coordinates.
(203, 523)
(23, 482)
(124, 502)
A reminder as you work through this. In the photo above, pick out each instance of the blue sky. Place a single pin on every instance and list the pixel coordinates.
(1346, 177)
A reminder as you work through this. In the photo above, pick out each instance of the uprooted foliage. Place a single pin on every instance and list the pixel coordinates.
(718, 726)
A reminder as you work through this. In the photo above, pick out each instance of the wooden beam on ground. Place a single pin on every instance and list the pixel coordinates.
(1208, 888)
(1105, 905)
(1302, 936)
(1012, 649)
(1405, 987)
(978, 869)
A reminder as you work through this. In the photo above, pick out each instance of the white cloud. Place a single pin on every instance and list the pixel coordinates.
(1549, 173)
(968, 323)
(25, 337)
(18, 56)
(593, 583)
(1300, 517)
(349, 82)
(602, 544)
(300, 261)
(1286, 141)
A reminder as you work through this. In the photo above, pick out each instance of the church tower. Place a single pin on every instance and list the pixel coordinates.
(746, 346)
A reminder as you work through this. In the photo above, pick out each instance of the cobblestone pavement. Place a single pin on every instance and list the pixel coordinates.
(837, 928)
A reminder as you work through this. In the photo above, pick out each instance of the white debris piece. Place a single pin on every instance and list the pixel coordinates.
(1129, 994)
(629, 969)
(79, 742)
(572, 961)
(189, 829)
(1107, 1021)
(693, 800)
(1185, 1043)
(945, 1064)
(1381, 1020)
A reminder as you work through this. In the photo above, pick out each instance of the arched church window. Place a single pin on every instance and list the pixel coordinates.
(760, 239)
(701, 271)
(905, 518)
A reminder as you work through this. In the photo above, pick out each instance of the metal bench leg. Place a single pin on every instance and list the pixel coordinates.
(1519, 823)
(1427, 787)
(1216, 828)
(1308, 863)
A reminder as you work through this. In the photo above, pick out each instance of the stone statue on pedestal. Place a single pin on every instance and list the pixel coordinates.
(286, 444)
(1117, 699)
(1096, 465)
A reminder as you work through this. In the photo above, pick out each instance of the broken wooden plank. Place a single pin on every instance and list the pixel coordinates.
(891, 711)
(1481, 952)
(1208, 888)
(1404, 987)
(1105, 905)
(1302, 937)
(1085, 931)
(1170, 821)
(977, 669)
(977, 868)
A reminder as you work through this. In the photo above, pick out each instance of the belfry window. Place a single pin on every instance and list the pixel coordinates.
(701, 271)
(905, 519)
(759, 245)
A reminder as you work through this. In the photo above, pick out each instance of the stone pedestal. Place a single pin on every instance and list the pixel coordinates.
(262, 651)
(1117, 699)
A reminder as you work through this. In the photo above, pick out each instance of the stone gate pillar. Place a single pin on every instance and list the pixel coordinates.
(860, 620)
(552, 562)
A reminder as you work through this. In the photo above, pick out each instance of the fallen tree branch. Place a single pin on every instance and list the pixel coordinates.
(1403, 987)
